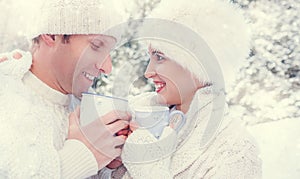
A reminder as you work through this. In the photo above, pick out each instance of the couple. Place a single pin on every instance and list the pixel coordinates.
(41, 138)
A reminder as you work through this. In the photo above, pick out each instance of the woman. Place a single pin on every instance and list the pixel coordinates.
(206, 147)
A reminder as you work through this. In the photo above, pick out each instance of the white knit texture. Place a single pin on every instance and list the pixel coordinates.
(232, 154)
(77, 161)
(77, 17)
(26, 142)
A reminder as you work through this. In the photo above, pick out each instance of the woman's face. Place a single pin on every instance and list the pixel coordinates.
(174, 84)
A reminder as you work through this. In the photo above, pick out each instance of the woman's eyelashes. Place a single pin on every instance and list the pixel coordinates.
(159, 56)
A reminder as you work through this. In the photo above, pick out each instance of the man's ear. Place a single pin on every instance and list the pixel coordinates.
(48, 39)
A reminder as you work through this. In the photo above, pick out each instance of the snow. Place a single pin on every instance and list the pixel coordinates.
(279, 144)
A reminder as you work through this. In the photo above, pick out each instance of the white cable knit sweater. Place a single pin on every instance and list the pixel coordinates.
(232, 154)
(34, 126)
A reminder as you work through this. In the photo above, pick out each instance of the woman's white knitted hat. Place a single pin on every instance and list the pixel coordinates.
(219, 23)
(76, 17)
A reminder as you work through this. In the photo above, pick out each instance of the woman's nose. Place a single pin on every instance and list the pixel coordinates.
(105, 66)
(150, 71)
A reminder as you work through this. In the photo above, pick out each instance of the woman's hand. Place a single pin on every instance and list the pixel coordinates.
(144, 155)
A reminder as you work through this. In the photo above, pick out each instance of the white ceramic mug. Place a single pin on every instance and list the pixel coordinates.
(94, 106)
(156, 118)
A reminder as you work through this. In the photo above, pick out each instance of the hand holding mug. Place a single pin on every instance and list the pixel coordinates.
(143, 153)
(99, 135)
(151, 145)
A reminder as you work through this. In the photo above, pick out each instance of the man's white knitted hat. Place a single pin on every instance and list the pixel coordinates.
(219, 23)
(76, 17)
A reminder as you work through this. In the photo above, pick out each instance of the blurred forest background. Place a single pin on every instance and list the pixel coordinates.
(266, 94)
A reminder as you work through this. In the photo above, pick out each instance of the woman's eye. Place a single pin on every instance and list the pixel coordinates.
(159, 57)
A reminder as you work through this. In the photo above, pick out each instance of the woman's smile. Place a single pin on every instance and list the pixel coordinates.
(159, 86)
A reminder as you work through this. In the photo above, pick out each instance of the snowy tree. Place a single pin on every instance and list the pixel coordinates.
(267, 87)
(17, 18)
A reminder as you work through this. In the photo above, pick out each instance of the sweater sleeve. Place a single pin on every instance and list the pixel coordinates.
(237, 156)
(243, 165)
(26, 142)
(77, 161)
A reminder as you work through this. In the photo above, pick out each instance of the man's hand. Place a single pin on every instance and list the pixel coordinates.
(117, 162)
(100, 136)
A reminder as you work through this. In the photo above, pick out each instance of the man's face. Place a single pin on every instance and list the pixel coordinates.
(79, 61)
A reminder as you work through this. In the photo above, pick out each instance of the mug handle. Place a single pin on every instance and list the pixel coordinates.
(176, 123)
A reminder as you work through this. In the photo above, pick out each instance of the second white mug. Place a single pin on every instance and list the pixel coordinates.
(156, 118)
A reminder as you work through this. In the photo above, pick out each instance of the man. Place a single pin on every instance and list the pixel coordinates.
(39, 139)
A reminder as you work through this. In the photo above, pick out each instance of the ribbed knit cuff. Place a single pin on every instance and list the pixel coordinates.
(77, 161)
(105, 173)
